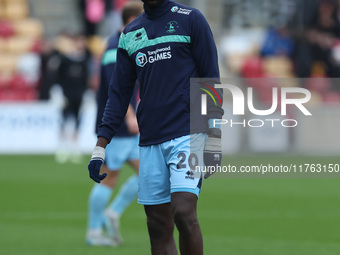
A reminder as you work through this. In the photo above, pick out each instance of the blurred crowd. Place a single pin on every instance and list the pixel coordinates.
(67, 61)
(306, 46)
(31, 63)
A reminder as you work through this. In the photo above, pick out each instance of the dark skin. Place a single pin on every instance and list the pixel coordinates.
(152, 3)
(161, 219)
(180, 212)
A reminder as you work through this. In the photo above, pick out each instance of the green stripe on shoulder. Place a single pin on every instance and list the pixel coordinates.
(110, 57)
(136, 40)
(163, 39)
(122, 39)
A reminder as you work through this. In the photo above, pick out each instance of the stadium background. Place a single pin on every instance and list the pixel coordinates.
(43, 204)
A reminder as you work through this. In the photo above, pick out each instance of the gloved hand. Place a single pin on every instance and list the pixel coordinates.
(212, 151)
(97, 160)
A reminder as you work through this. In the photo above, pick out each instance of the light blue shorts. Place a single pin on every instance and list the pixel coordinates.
(168, 167)
(120, 150)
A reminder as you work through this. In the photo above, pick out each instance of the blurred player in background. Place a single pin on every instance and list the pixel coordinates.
(73, 75)
(164, 47)
(123, 147)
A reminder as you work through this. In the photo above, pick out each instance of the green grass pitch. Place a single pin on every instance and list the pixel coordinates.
(43, 210)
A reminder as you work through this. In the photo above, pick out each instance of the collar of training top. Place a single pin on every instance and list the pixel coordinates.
(160, 10)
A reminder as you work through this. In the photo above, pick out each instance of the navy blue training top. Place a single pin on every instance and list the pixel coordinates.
(106, 70)
(164, 47)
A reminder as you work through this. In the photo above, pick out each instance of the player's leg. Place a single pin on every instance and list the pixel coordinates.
(161, 226)
(75, 151)
(184, 205)
(98, 199)
(61, 155)
(101, 193)
(134, 164)
(111, 178)
(128, 191)
(126, 195)
(184, 154)
(154, 194)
